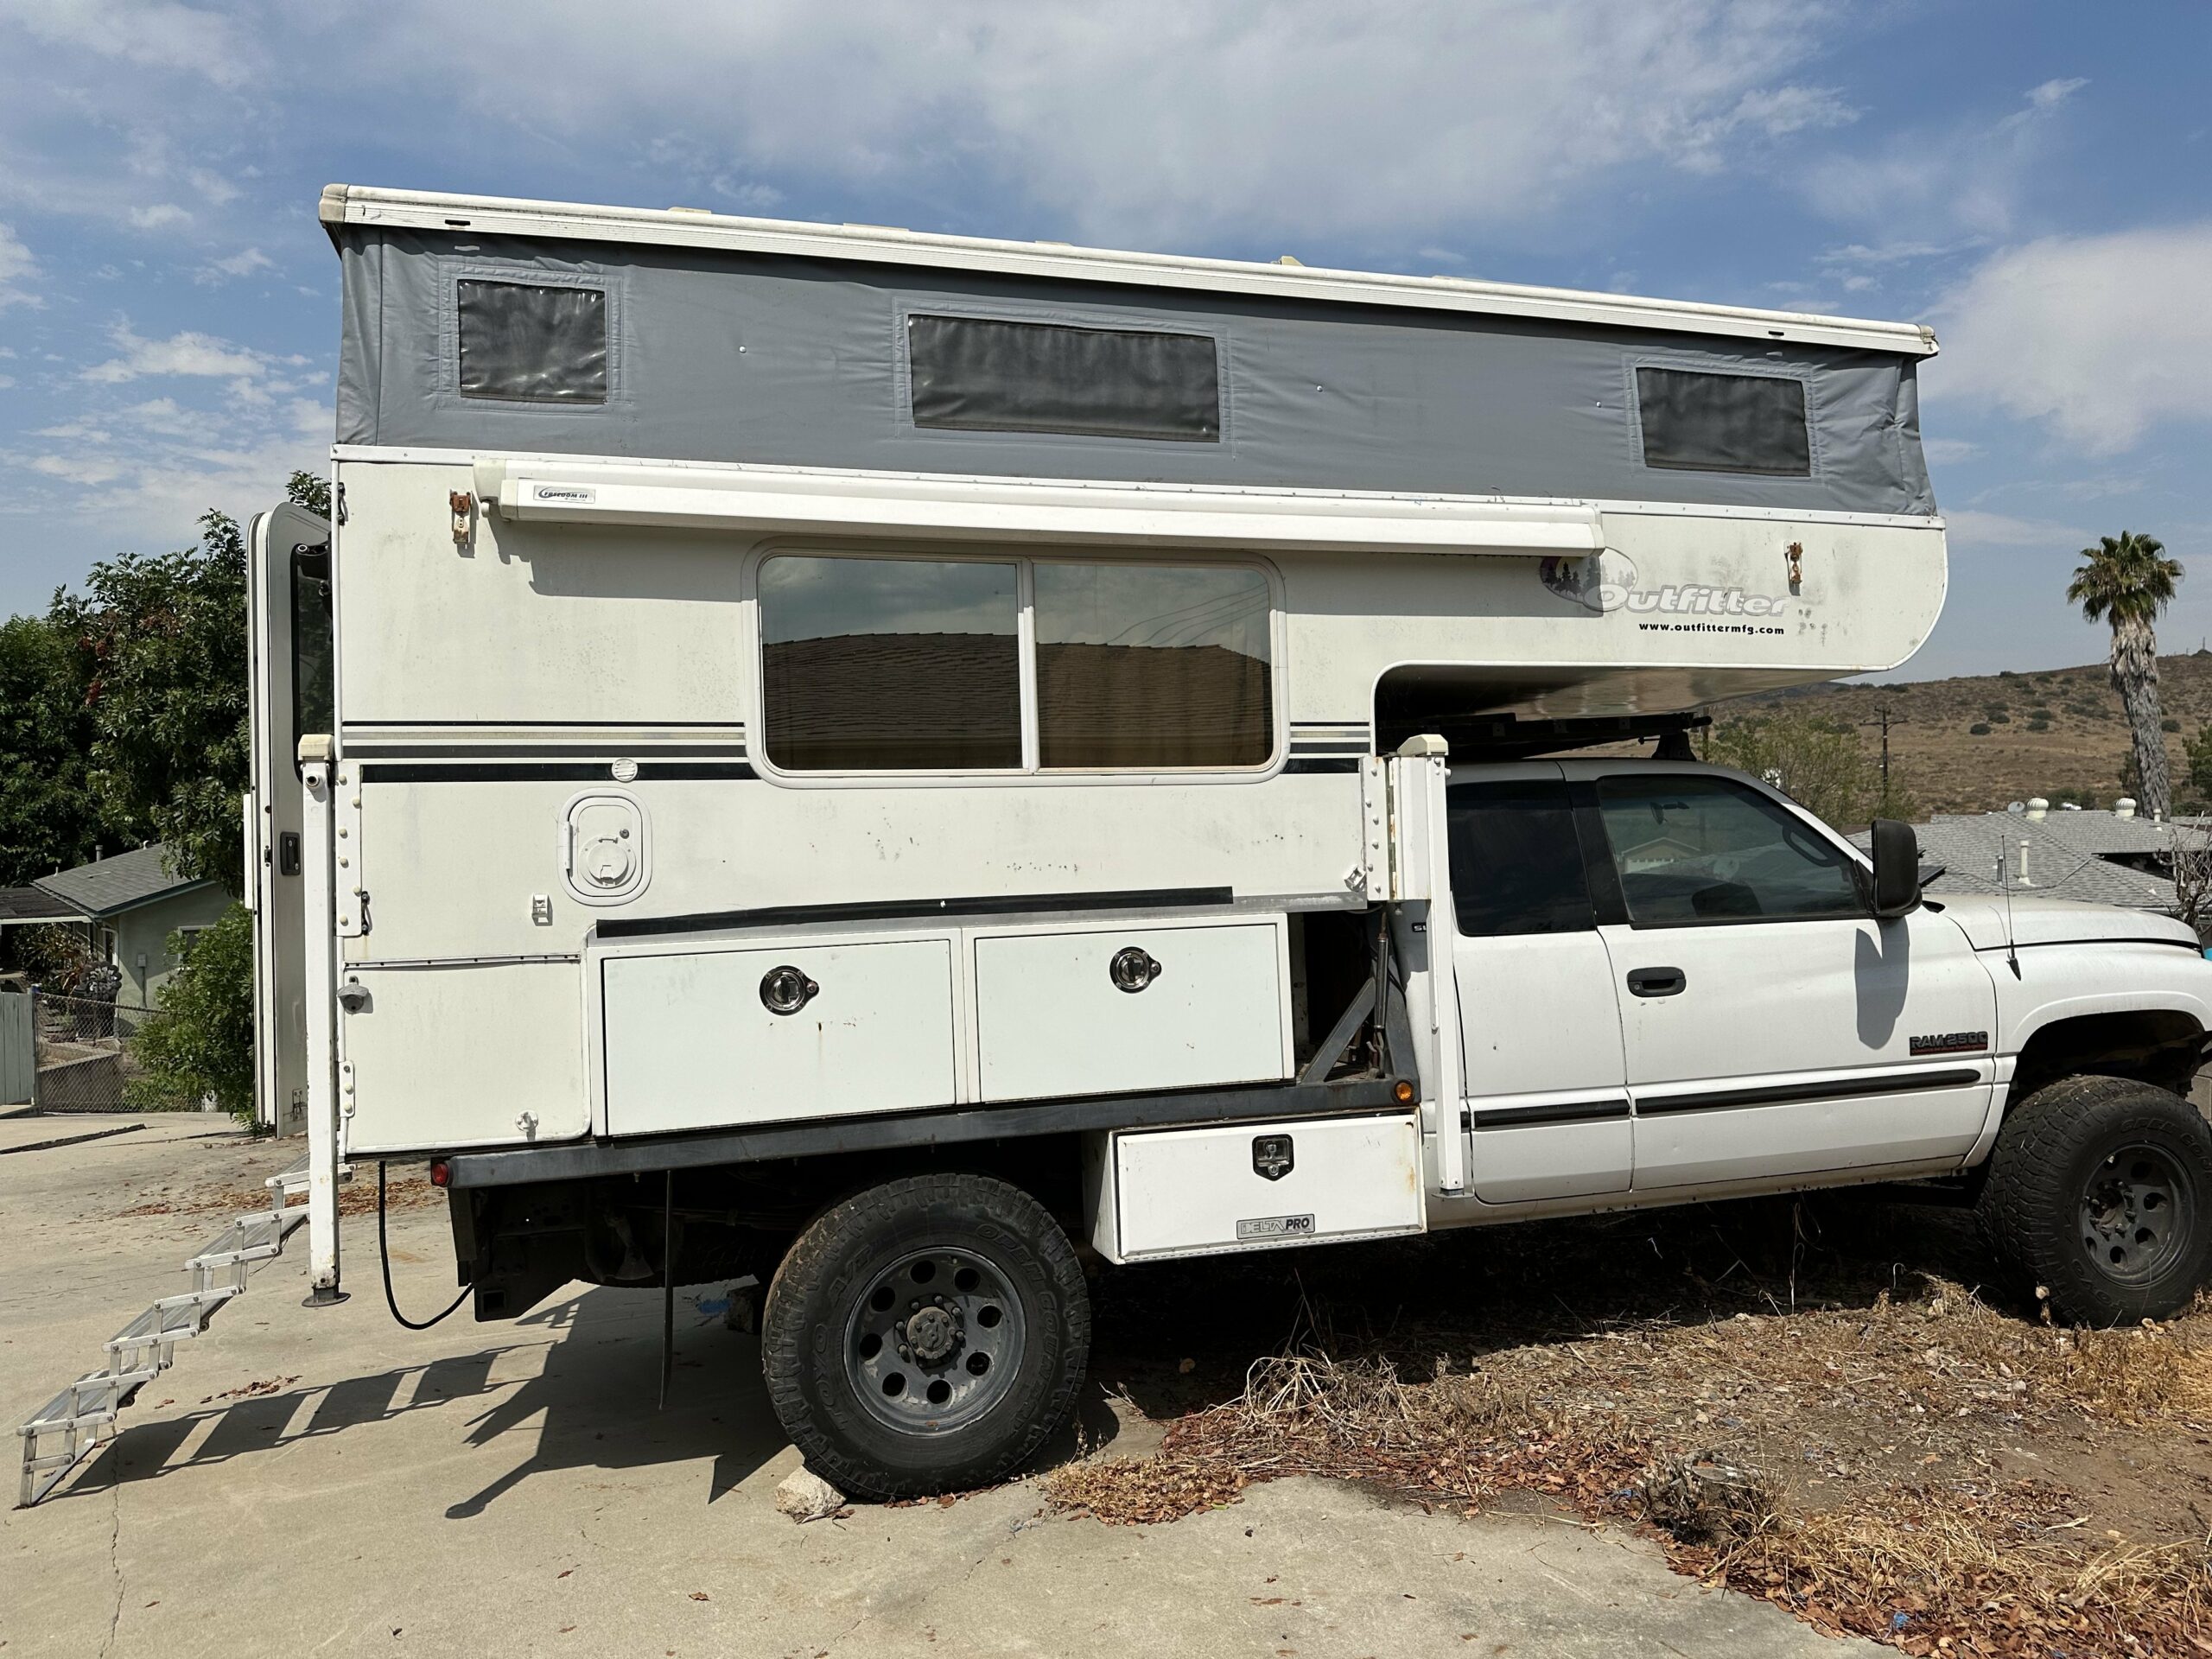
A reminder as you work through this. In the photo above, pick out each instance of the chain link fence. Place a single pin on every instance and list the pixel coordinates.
(82, 1047)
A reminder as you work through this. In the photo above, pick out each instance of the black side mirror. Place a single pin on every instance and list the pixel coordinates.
(1897, 868)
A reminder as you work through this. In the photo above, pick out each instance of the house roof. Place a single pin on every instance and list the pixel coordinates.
(32, 905)
(108, 886)
(2065, 857)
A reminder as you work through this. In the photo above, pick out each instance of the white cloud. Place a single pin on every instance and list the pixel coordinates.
(1972, 527)
(2097, 337)
(16, 265)
(245, 262)
(158, 217)
(1945, 451)
(1930, 191)
(185, 353)
(1156, 121)
(151, 33)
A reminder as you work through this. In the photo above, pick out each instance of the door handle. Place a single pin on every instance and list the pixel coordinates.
(1657, 981)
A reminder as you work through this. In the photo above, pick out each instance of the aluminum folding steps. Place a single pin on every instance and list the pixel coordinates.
(82, 1416)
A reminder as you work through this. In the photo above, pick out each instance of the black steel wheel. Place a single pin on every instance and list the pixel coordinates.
(2097, 1197)
(925, 1336)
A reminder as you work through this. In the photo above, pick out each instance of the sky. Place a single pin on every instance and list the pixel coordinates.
(2035, 180)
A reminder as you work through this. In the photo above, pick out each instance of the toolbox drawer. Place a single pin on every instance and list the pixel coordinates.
(1053, 1019)
(1245, 1187)
(692, 1039)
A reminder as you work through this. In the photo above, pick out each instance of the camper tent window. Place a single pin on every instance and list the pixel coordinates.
(984, 375)
(527, 342)
(1724, 423)
(890, 665)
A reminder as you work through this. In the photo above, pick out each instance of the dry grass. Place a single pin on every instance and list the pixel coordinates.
(1847, 1463)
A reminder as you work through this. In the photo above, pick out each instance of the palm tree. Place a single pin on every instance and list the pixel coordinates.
(2128, 579)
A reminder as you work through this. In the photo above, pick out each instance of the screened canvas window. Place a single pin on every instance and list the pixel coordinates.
(528, 342)
(1702, 422)
(918, 665)
(982, 375)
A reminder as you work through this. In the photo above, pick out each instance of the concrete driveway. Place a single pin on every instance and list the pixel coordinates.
(322, 1481)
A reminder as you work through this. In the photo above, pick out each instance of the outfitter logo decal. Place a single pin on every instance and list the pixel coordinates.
(1607, 581)
(1951, 1042)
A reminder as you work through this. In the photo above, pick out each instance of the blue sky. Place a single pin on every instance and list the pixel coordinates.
(2035, 179)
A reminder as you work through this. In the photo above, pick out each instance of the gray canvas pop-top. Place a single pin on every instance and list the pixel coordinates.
(473, 324)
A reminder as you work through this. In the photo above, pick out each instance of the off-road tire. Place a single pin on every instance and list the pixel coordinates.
(2055, 1149)
(833, 1267)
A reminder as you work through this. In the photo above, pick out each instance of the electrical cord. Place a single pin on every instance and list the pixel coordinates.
(383, 1258)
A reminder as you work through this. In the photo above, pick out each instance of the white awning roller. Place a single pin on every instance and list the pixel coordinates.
(816, 499)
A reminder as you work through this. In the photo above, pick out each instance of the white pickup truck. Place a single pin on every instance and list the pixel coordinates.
(1673, 985)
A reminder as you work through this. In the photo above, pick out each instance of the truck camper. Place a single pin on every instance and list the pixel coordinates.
(917, 769)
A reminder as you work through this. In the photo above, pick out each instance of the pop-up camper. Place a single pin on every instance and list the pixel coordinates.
(863, 760)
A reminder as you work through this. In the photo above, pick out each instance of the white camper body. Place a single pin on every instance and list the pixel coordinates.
(831, 729)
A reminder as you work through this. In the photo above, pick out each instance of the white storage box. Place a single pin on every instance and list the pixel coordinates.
(1245, 1187)
(1114, 1007)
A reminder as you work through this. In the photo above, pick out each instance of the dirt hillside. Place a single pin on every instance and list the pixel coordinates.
(2049, 732)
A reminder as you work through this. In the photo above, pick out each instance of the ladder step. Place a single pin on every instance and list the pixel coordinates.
(92, 1399)
(173, 1319)
(293, 1182)
(253, 1237)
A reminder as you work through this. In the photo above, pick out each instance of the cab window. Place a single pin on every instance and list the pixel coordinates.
(1694, 849)
(1516, 868)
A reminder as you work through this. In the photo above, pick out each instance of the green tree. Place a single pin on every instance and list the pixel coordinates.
(2127, 579)
(161, 642)
(49, 818)
(1821, 765)
(199, 1043)
(160, 648)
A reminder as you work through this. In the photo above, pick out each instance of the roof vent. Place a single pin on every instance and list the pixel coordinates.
(2039, 809)
(2124, 807)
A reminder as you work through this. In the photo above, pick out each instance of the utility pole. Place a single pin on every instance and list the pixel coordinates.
(1885, 719)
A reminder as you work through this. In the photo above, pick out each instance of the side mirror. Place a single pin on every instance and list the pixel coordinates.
(1897, 868)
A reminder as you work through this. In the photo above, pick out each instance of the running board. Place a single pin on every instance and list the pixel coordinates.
(81, 1418)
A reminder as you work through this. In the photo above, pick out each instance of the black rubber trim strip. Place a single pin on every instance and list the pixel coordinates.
(1560, 1111)
(915, 909)
(1303, 766)
(376, 751)
(1836, 1088)
(549, 771)
(954, 1127)
(1604, 882)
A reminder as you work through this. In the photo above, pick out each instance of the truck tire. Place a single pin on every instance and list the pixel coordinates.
(925, 1336)
(2097, 1196)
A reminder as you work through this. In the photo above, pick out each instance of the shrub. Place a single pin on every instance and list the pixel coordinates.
(1979, 728)
(2039, 722)
(197, 1046)
(2170, 724)
(1999, 717)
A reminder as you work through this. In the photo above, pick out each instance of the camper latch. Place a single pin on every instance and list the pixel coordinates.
(464, 515)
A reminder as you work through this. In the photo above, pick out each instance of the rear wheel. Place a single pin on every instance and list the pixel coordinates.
(2098, 1193)
(926, 1335)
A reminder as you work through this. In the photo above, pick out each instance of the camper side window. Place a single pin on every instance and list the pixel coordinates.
(1724, 423)
(532, 343)
(890, 665)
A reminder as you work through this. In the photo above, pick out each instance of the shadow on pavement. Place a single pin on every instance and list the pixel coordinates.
(593, 1402)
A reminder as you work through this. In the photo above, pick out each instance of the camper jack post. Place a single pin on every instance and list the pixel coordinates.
(1422, 886)
(317, 871)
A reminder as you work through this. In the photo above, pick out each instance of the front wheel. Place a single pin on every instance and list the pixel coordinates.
(2100, 1192)
(925, 1336)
